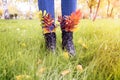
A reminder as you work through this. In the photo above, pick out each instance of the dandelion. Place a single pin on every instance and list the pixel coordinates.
(65, 72)
(66, 55)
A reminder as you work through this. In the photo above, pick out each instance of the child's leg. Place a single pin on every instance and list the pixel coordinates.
(68, 6)
(48, 22)
(47, 5)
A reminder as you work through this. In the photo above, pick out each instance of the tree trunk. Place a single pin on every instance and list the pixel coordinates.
(91, 13)
(111, 12)
(5, 9)
(108, 8)
(90, 8)
(30, 9)
(96, 10)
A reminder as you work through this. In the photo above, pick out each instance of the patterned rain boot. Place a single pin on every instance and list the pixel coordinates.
(67, 42)
(68, 25)
(48, 27)
(50, 40)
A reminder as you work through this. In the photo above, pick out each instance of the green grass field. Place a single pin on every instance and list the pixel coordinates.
(23, 55)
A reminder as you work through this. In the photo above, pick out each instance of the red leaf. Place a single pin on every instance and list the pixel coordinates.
(75, 17)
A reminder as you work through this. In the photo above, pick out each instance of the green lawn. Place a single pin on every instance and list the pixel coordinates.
(23, 55)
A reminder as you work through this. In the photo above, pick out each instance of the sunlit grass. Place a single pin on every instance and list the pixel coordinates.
(23, 54)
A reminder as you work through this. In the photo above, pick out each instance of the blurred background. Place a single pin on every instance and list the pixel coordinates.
(91, 9)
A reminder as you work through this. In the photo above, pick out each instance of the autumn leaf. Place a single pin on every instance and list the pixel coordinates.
(80, 41)
(41, 71)
(76, 16)
(79, 68)
(47, 22)
(65, 72)
(84, 46)
(68, 23)
(23, 45)
(40, 15)
(39, 61)
(23, 77)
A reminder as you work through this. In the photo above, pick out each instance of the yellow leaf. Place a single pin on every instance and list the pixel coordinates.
(39, 61)
(41, 71)
(65, 72)
(79, 68)
(23, 45)
(47, 31)
(85, 46)
(66, 55)
(80, 41)
(44, 13)
(40, 15)
(75, 29)
(23, 77)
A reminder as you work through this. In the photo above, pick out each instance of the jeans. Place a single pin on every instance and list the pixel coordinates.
(67, 6)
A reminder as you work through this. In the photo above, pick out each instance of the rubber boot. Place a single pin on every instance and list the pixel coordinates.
(67, 42)
(68, 25)
(49, 32)
(50, 41)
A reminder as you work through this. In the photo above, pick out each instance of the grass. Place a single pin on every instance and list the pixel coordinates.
(23, 55)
